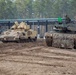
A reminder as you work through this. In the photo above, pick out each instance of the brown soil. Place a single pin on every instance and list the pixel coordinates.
(35, 58)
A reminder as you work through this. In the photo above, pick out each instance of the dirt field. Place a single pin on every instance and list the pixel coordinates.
(36, 59)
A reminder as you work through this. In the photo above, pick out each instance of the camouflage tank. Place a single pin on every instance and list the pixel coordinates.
(19, 33)
(62, 36)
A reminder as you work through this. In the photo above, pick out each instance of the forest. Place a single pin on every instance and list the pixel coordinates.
(27, 9)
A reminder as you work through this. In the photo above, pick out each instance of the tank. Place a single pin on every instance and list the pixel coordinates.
(62, 36)
(19, 33)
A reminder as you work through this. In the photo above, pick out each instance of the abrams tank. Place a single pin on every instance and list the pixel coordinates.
(19, 33)
(62, 36)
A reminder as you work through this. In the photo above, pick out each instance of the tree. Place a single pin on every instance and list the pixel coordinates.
(22, 9)
(73, 8)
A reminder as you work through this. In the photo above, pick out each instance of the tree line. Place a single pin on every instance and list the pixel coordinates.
(26, 9)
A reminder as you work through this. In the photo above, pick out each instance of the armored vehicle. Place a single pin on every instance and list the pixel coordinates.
(62, 36)
(19, 33)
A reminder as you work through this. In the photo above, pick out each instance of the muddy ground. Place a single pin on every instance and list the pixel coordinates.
(35, 58)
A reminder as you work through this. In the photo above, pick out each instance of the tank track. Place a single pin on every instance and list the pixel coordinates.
(61, 40)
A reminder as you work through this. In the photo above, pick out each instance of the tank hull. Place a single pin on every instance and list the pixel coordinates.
(61, 40)
(19, 39)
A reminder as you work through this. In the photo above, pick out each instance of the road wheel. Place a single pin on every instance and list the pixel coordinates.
(4, 41)
(18, 41)
(35, 39)
(29, 39)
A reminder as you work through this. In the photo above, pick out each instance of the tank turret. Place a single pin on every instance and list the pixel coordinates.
(24, 26)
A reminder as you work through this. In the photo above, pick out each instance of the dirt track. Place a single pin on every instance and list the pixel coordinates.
(36, 59)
